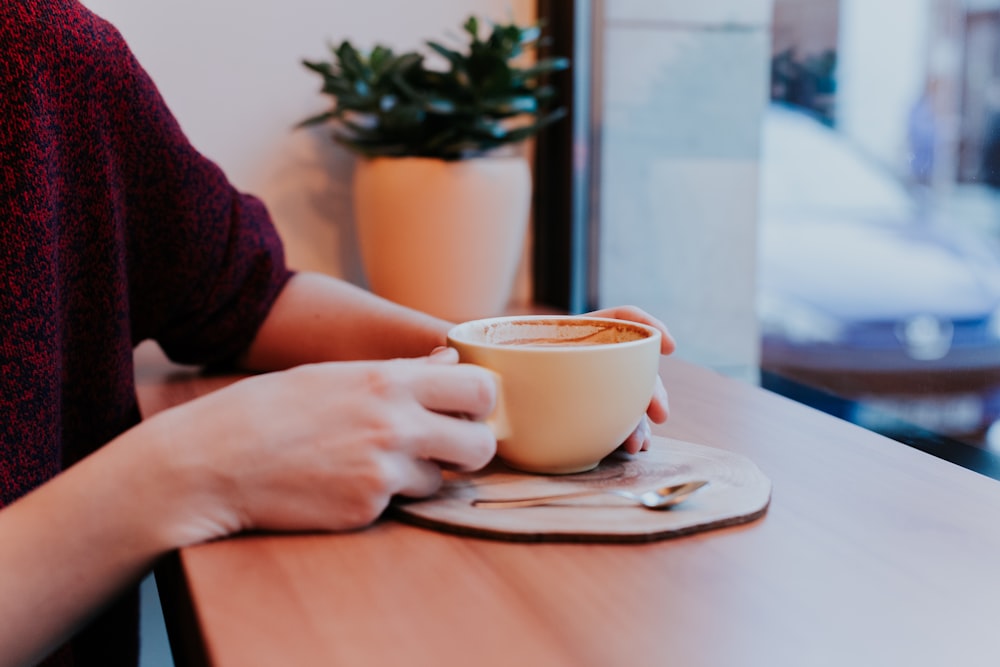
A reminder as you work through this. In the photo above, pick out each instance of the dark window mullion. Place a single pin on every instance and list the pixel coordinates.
(561, 258)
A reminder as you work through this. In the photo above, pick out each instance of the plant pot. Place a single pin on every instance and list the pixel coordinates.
(444, 237)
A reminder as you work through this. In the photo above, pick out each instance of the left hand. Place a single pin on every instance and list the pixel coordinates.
(659, 408)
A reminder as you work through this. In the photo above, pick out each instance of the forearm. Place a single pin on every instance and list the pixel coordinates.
(69, 547)
(320, 318)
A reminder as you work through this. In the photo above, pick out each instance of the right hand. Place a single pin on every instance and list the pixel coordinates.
(322, 446)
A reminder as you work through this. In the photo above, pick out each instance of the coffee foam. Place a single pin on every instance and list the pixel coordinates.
(549, 333)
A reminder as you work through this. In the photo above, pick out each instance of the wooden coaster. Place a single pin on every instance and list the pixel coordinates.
(738, 492)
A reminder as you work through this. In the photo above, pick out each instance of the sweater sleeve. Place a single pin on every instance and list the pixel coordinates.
(141, 233)
(204, 261)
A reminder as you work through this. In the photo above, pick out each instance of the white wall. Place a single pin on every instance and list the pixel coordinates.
(230, 70)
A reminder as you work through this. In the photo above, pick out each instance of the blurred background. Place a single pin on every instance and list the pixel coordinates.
(880, 281)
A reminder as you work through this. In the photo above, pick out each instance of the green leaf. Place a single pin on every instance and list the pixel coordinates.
(508, 106)
(544, 95)
(405, 63)
(318, 119)
(489, 129)
(546, 66)
(402, 116)
(380, 58)
(384, 103)
(359, 129)
(352, 102)
(456, 59)
(323, 68)
(530, 34)
(472, 27)
(522, 133)
(350, 60)
(440, 105)
(337, 87)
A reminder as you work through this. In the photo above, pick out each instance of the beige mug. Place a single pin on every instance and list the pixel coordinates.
(570, 388)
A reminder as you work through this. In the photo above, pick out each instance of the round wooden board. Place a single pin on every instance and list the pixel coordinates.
(738, 492)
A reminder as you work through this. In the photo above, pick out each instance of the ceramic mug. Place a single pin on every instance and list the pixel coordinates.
(570, 388)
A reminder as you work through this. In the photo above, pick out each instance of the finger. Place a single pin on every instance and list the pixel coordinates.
(443, 355)
(419, 478)
(454, 389)
(659, 405)
(631, 313)
(456, 442)
(646, 435)
(638, 440)
(635, 314)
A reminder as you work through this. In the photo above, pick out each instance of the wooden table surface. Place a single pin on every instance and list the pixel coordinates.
(871, 553)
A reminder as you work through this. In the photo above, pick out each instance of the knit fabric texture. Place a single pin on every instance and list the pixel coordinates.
(113, 230)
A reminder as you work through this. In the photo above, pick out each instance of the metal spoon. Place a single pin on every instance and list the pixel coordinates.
(655, 499)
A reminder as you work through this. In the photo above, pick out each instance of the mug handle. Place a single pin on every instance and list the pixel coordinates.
(497, 420)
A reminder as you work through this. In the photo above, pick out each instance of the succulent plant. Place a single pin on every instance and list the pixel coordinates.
(392, 104)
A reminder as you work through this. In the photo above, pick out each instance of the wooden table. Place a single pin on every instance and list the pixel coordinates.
(871, 553)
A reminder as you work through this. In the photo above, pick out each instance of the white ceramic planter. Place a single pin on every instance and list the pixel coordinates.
(443, 237)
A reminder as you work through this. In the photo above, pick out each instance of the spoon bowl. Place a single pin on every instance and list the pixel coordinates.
(655, 499)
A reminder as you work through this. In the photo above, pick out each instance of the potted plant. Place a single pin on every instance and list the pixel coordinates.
(441, 193)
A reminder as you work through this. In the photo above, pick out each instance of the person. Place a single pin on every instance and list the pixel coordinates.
(115, 230)
(921, 135)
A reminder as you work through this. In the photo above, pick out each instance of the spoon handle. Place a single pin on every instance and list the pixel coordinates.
(488, 503)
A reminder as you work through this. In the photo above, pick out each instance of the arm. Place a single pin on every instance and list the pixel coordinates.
(317, 318)
(320, 318)
(328, 319)
(319, 447)
(71, 545)
(179, 478)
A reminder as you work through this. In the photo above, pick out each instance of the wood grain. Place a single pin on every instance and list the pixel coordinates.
(871, 553)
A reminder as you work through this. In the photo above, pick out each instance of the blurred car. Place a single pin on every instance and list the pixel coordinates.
(894, 317)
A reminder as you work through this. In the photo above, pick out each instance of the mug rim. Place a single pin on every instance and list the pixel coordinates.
(454, 333)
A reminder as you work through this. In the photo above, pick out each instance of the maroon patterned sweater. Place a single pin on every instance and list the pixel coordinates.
(113, 230)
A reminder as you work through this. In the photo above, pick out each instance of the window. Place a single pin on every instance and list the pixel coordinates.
(879, 294)
(877, 268)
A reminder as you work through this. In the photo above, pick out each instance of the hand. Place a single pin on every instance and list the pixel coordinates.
(659, 408)
(323, 446)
